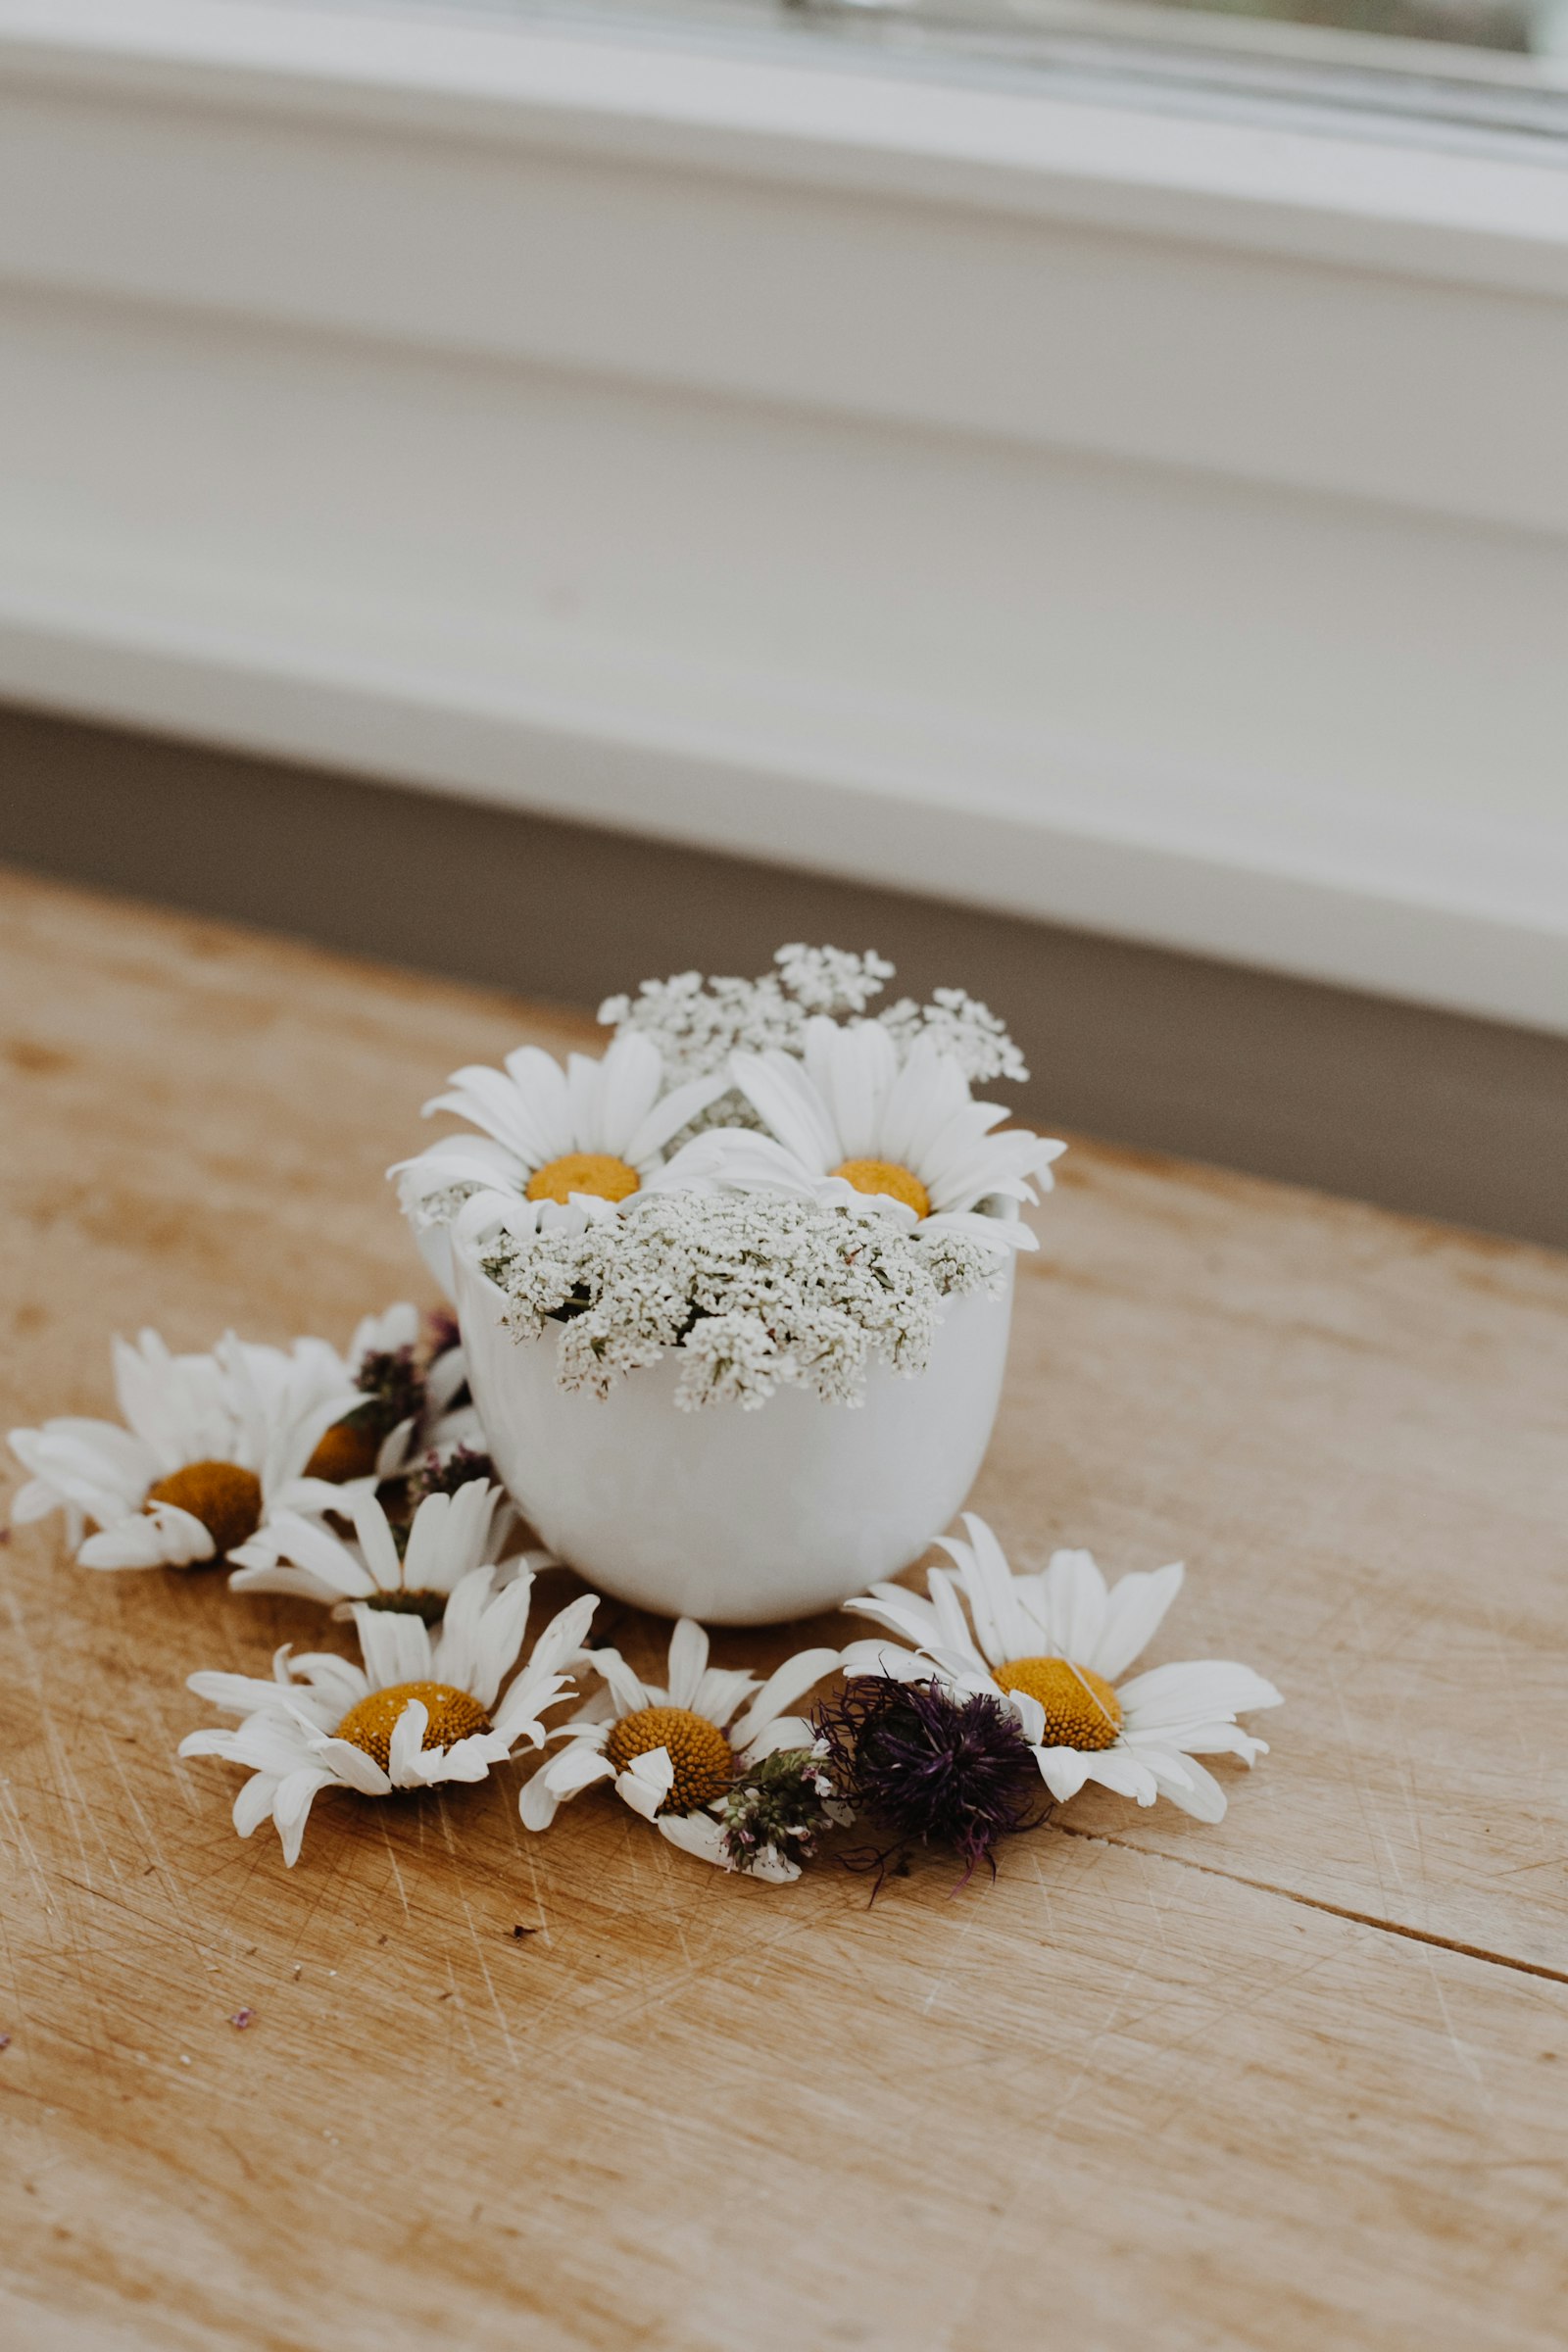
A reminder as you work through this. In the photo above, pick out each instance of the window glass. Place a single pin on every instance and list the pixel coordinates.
(1461, 72)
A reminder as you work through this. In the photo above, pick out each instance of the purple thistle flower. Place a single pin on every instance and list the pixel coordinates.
(932, 1767)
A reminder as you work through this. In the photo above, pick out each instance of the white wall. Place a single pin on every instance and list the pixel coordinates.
(1158, 526)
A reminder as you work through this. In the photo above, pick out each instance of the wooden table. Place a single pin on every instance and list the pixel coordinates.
(1300, 2079)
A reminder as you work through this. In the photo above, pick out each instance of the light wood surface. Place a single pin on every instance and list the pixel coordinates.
(1299, 2080)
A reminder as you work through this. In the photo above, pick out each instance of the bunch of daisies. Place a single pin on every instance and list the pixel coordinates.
(971, 1714)
(759, 1178)
(756, 1174)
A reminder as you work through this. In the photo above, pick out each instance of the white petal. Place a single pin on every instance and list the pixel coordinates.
(688, 1661)
(630, 1694)
(780, 1692)
(1063, 1770)
(407, 1742)
(627, 1083)
(1134, 1608)
(671, 1113)
(254, 1803)
(291, 1809)
(989, 1585)
(1192, 1690)
(904, 1613)
(1125, 1772)
(1075, 1604)
(396, 1647)
(885, 1658)
(374, 1532)
(352, 1766)
(647, 1781)
(781, 1094)
(695, 1834)
(1187, 1784)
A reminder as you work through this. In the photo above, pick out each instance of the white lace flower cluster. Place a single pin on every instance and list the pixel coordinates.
(961, 1025)
(698, 1023)
(753, 1290)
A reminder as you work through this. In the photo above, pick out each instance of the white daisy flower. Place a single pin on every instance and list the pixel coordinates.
(595, 1130)
(418, 1712)
(856, 1126)
(674, 1752)
(1052, 1647)
(209, 1444)
(450, 1534)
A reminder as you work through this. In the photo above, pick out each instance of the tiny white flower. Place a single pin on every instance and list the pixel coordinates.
(853, 1126)
(674, 1752)
(418, 1712)
(751, 1293)
(1052, 1647)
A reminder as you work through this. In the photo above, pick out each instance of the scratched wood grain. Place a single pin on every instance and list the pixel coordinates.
(1293, 2080)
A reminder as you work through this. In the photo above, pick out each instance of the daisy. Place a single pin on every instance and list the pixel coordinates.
(207, 1446)
(450, 1536)
(675, 1754)
(856, 1126)
(406, 1405)
(596, 1129)
(417, 1713)
(1052, 1647)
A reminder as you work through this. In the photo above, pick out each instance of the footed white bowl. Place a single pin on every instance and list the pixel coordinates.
(738, 1518)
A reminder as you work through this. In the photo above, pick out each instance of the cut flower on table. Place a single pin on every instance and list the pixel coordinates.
(418, 1711)
(690, 1756)
(1052, 1649)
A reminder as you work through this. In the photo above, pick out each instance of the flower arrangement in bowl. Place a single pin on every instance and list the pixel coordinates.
(735, 1297)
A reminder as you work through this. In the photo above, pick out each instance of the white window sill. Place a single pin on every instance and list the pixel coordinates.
(1149, 523)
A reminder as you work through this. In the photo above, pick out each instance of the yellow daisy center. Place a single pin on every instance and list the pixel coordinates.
(698, 1750)
(347, 1450)
(453, 1716)
(227, 1500)
(596, 1172)
(887, 1176)
(1082, 1710)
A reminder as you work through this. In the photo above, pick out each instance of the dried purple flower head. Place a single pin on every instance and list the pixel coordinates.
(930, 1766)
(441, 1330)
(437, 1477)
(394, 1385)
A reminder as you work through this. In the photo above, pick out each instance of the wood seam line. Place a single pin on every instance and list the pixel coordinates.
(1314, 1902)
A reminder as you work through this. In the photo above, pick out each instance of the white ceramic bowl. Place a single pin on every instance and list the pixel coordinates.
(738, 1518)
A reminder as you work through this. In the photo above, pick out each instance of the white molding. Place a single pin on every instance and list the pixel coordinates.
(1156, 526)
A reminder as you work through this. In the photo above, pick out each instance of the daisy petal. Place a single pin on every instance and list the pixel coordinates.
(406, 1743)
(291, 1808)
(647, 1781)
(688, 1661)
(1135, 1609)
(1192, 1690)
(695, 1834)
(1063, 1770)
(780, 1692)
(1075, 1604)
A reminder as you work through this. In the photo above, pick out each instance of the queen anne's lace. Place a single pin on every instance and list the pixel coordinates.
(698, 1023)
(962, 1026)
(752, 1292)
